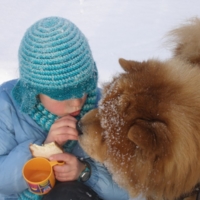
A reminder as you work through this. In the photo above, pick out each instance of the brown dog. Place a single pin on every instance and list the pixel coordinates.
(147, 127)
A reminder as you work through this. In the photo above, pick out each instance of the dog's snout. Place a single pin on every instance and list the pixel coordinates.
(78, 127)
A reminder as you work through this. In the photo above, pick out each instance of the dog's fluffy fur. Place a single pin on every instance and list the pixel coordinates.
(147, 127)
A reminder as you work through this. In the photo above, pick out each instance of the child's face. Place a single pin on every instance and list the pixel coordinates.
(61, 108)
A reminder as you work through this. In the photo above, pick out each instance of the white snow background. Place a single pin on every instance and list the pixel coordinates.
(131, 29)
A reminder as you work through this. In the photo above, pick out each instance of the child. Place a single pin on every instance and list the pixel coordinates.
(57, 86)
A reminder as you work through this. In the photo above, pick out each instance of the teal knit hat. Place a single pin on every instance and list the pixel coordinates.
(54, 59)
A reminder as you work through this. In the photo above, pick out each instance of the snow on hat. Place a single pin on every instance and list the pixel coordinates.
(54, 59)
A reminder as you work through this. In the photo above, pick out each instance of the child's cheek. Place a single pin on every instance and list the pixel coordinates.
(59, 110)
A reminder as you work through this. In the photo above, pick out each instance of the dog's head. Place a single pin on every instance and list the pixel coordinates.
(138, 129)
(131, 113)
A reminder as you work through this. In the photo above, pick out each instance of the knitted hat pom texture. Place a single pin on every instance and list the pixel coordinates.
(54, 59)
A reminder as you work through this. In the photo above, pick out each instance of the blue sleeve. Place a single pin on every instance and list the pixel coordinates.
(101, 180)
(11, 165)
(16, 134)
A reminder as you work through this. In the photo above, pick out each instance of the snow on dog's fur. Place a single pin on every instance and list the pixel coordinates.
(147, 127)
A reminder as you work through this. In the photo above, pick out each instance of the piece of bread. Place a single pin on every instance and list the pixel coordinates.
(46, 150)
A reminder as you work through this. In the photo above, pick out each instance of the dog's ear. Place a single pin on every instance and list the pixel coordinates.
(129, 65)
(150, 136)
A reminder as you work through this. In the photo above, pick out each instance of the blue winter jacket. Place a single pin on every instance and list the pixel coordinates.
(17, 131)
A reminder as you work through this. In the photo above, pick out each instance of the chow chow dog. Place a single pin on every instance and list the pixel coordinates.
(146, 130)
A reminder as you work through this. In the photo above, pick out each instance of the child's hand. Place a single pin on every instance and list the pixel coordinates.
(62, 130)
(70, 170)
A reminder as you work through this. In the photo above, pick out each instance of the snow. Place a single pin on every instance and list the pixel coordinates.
(130, 29)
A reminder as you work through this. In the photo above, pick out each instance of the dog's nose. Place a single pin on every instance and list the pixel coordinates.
(78, 128)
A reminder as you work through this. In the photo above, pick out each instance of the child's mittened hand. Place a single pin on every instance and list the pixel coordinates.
(70, 170)
(62, 130)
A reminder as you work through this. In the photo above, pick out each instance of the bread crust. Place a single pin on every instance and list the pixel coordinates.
(46, 150)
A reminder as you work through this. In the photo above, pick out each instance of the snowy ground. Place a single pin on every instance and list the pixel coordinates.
(132, 29)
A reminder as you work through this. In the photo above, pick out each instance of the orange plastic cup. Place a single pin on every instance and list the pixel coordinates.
(38, 173)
